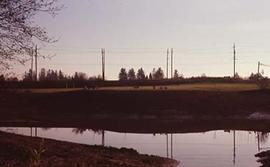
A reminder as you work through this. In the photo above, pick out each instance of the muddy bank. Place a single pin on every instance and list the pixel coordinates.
(19, 150)
(264, 158)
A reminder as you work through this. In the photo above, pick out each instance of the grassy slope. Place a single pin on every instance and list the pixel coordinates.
(182, 87)
(195, 86)
(175, 103)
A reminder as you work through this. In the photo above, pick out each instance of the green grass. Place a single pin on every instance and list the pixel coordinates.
(181, 87)
(190, 87)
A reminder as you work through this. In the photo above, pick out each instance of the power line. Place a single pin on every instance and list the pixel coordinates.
(261, 64)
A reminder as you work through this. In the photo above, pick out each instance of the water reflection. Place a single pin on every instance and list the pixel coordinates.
(103, 138)
(35, 130)
(102, 133)
(167, 145)
(192, 149)
(82, 130)
(262, 138)
(234, 153)
(96, 131)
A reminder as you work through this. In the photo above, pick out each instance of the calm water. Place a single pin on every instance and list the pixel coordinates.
(208, 149)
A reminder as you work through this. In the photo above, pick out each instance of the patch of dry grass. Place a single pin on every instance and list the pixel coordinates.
(191, 87)
(50, 90)
(180, 87)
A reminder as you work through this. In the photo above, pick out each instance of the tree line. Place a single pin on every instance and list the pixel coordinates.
(124, 75)
(55, 75)
(156, 74)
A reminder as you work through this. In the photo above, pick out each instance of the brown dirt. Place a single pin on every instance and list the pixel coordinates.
(18, 151)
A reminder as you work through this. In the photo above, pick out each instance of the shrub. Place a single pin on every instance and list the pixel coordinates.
(262, 83)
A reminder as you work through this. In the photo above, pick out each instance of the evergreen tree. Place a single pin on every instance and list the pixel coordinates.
(42, 74)
(131, 74)
(175, 75)
(158, 75)
(150, 76)
(123, 74)
(140, 74)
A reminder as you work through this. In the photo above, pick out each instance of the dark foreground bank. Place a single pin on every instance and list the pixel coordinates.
(83, 107)
(21, 151)
(264, 158)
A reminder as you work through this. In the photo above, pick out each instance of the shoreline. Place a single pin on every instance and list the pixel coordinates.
(18, 150)
(152, 126)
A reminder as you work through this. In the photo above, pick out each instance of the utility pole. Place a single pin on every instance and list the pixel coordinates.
(167, 67)
(171, 62)
(32, 63)
(234, 53)
(103, 63)
(36, 63)
(259, 63)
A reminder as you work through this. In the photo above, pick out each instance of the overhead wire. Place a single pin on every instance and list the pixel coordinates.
(204, 53)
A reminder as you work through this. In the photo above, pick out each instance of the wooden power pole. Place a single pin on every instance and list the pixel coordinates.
(234, 58)
(167, 65)
(259, 63)
(32, 63)
(36, 76)
(171, 62)
(103, 63)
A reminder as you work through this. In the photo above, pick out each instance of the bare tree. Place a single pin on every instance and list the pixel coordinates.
(18, 31)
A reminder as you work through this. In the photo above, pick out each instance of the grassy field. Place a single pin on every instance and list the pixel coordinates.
(191, 87)
(50, 90)
(181, 87)
(176, 102)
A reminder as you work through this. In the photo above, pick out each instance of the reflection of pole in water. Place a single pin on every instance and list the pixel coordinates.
(103, 138)
(215, 135)
(234, 147)
(31, 131)
(258, 141)
(167, 145)
(171, 145)
(35, 131)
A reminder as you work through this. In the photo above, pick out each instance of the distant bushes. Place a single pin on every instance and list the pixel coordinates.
(57, 79)
(262, 82)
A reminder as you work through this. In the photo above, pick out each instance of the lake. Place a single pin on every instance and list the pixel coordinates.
(204, 149)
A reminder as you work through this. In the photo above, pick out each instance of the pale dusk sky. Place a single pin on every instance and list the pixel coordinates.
(136, 33)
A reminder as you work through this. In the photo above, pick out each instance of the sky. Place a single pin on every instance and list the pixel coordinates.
(136, 33)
